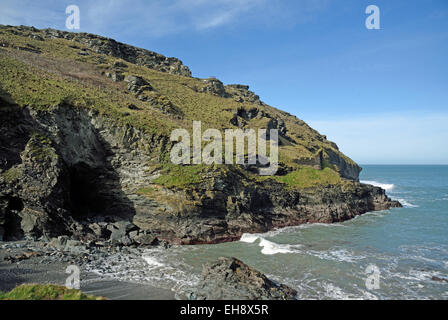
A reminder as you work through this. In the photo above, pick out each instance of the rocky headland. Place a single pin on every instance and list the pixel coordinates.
(84, 145)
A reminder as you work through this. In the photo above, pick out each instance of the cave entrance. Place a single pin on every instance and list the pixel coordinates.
(12, 229)
(85, 191)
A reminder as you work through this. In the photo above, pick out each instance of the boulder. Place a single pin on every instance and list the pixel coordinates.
(231, 279)
(137, 84)
(119, 232)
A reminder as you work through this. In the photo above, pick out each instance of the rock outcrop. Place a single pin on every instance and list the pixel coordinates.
(109, 47)
(231, 279)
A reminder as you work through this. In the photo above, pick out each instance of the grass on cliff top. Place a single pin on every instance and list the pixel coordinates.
(45, 292)
(307, 177)
(178, 176)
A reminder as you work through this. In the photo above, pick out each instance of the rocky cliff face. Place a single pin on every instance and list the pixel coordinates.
(73, 172)
(84, 145)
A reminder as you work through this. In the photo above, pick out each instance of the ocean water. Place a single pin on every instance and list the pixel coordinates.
(407, 246)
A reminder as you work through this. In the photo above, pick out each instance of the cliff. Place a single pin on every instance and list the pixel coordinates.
(84, 150)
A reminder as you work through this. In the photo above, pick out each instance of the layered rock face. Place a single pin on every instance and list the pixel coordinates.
(85, 143)
(231, 279)
(72, 172)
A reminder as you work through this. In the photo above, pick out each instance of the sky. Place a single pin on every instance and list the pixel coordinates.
(381, 95)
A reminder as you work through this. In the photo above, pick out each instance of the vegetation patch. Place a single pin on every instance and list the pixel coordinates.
(177, 176)
(12, 174)
(41, 148)
(45, 292)
(307, 177)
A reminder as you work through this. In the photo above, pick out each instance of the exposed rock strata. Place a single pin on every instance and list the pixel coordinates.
(73, 172)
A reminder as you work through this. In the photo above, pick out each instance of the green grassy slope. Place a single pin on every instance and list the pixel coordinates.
(40, 72)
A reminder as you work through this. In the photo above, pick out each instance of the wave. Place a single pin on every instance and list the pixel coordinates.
(385, 186)
(406, 204)
(268, 247)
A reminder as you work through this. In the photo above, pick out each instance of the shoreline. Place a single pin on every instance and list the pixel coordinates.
(35, 270)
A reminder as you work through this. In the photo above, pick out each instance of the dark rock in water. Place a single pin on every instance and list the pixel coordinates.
(435, 278)
(231, 279)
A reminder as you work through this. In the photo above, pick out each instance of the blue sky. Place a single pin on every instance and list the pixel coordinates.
(381, 95)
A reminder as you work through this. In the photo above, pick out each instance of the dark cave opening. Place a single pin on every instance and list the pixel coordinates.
(13, 230)
(85, 191)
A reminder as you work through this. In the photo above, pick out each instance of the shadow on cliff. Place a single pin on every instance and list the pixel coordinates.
(86, 188)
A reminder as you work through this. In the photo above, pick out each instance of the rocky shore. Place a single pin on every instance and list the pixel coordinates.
(45, 263)
(84, 158)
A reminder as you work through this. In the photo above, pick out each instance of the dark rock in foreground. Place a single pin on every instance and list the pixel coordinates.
(231, 279)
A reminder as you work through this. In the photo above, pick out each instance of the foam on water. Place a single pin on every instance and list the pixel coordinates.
(156, 266)
(249, 237)
(268, 247)
(340, 255)
(405, 203)
(385, 186)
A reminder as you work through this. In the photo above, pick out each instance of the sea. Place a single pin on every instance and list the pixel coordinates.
(401, 253)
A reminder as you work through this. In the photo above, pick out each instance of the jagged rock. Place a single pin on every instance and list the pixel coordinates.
(100, 230)
(64, 243)
(116, 49)
(143, 238)
(119, 232)
(59, 242)
(214, 86)
(137, 84)
(231, 279)
(115, 76)
(241, 93)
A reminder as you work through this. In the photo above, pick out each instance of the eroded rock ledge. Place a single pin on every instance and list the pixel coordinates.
(68, 171)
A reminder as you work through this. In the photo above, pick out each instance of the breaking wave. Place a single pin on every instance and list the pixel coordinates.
(385, 186)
